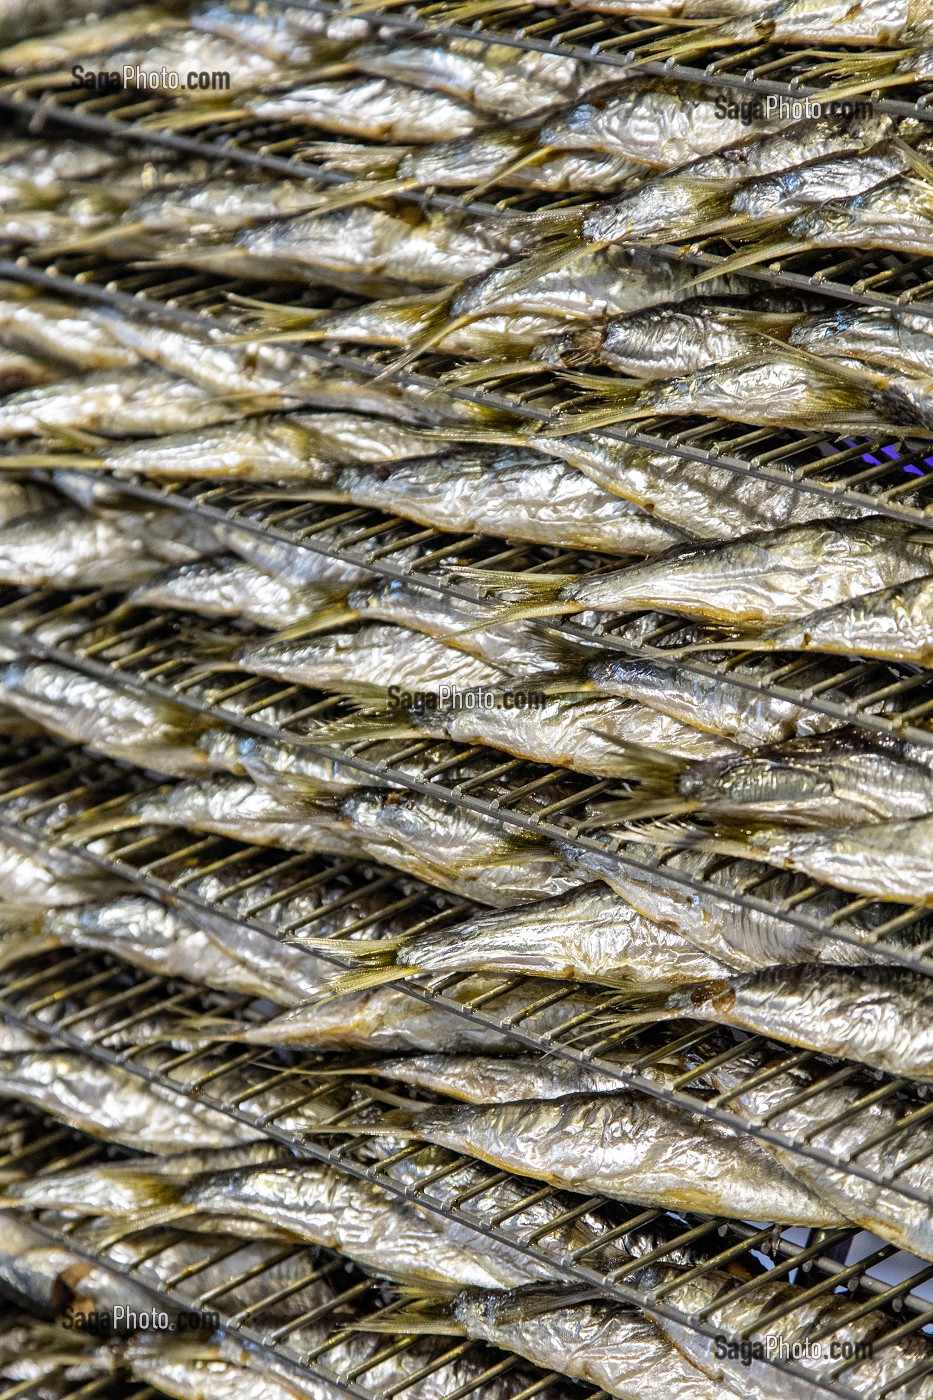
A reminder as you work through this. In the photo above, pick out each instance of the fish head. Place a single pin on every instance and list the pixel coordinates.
(571, 349)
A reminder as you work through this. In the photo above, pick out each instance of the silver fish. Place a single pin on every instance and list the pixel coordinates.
(46, 879)
(889, 860)
(689, 894)
(507, 83)
(35, 173)
(859, 333)
(290, 34)
(772, 576)
(588, 934)
(878, 1015)
(600, 1341)
(888, 623)
(77, 41)
(132, 402)
(897, 214)
(369, 661)
(19, 371)
(847, 1120)
(511, 159)
(36, 1351)
(173, 944)
(378, 108)
(652, 120)
(664, 340)
(71, 548)
(779, 197)
(109, 1102)
(834, 779)
(495, 1078)
(514, 493)
(230, 587)
(624, 1145)
(110, 718)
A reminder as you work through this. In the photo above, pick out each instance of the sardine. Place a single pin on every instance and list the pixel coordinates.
(231, 587)
(134, 402)
(601, 1341)
(514, 493)
(511, 159)
(689, 893)
(34, 1351)
(72, 548)
(891, 624)
(77, 41)
(47, 880)
(175, 944)
(877, 1015)
(109, 718)
(370, 661)
(605, 737)
(897, 215)
(778, 198)
(850, 1121)
(664, 340)
(588, 934)
(37, 172)
(427, 249)
(889, 860)
(507, 83)
(496, 1078)
(290, 34)
(806, 22)
(625, 1145)
(707, 501)
(109, 1102)
(19, 18)
(869, 333)
(771, 576)
(19, 371)
(652, 120)
(377, 108)
(835, 779)
(304, 449)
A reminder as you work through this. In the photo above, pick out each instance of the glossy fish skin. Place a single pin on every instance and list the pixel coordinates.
(79, 337)
(773, 575)
(72, 548)
(316, 1203)
(740, 935)
(896, 215)
(491, 158)
(588, 934)
(512, 647)
(602, 1341)
(36, 172)
(742, 714)
(373, 658)
(779, 197)
(595, 284)
(229, 587)
(650, 120)
(888, 623)
(676, 202)
(108, 1102)
(437, 250)
(217, 205)
(51, 882)
(156, 734)
(664, 340)
(886, 860)
(835, 779)
(869, 333)
(494, 78)
(513, 493)
(33, 1274)
(378, 108)
(847, 1121)
(293, 449)
(707, 501)
(629, 1146)
(133, 402)
(495, 1079)
(386, 1020)
(171, 944)
(66, 45)
(879, 1015)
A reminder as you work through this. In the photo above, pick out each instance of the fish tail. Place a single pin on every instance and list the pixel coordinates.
(488, 370)
(533, 157)
(521, 612)
(49, 461)
(358, 192)
(761, 252)
(427, 1315)
(640, 1007)
(366, 727)
(538, 1299)
(429, 338)
(323, 620)
(89, 830)
(275, 312)
(364, 978)
(695, 42)
(98, 239)
(376, 952)
(193, 116)
(918, 165)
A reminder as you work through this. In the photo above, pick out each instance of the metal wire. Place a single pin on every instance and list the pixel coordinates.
(41, 793)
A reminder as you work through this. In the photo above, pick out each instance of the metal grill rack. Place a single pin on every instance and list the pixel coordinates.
(41, 793)
(504, 1208)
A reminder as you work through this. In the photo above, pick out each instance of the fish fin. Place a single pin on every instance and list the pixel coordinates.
(194, 116)
(430, 337)
(362, 979)
(533, 157)
(918, 165)
(22, 944)
(641, 1006)
(48, 461)
(375, 951)
(365, 727)
(358, 192)
(537, 1300)
(488, 370)
(320, 621)
(98, 239)
(750, 257)
(424, 1316)
(275, 312)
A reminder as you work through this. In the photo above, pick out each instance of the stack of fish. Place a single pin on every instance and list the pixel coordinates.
(469, 317)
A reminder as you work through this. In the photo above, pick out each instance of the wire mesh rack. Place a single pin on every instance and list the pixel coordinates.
(873, 1129)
